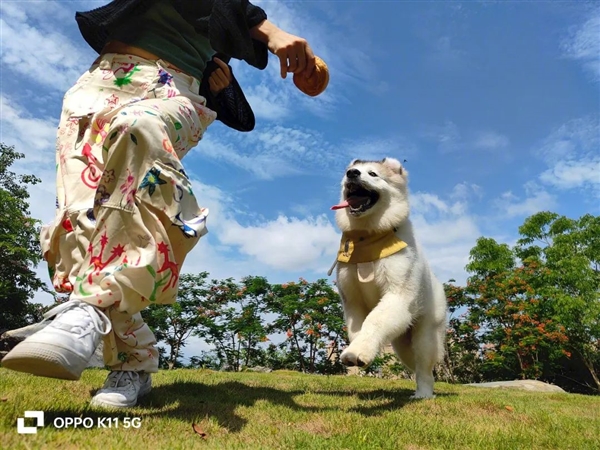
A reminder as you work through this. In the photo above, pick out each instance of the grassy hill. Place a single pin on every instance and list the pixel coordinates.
(283, 410)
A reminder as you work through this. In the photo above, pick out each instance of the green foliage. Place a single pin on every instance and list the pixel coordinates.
(570, 251)
(237, 319)
(173, 324)
(532, 311)
(230, 319)
(310, 315)
(19, 246)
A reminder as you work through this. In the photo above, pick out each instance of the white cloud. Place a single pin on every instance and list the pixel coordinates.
(34, 137)
(447, 229)
(464, 191)
(275, 151)
(572, 155)
(449, 138)
(279, 246)
(575, 137)
(268, 152)
(490, 140)
(45, 57)
(583, 44)
(422, 202)
(267, 104)
(573, 174)
(536, 200)
(286, 244)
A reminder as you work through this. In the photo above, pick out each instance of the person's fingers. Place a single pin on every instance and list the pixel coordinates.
(214, 87)
(223, 66)
(293, 59)
(311, 62)
(283, 62)
(219, 77)
(300, 57)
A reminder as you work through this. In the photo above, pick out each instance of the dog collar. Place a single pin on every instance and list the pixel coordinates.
(362, 247)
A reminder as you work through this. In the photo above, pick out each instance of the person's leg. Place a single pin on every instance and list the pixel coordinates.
(149, 217)
(131, 352)
(132, 238)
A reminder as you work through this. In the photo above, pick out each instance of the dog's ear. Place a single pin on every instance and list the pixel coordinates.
(394, 164)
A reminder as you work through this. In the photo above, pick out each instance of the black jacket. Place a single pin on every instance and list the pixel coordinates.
(226, 23)
(230, 104)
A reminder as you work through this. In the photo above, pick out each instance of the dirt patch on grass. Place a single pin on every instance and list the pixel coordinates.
(316, 425)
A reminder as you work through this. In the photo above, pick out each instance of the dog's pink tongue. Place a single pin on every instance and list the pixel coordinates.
(342, 205)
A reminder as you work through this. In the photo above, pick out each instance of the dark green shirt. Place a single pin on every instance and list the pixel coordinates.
(162, 31)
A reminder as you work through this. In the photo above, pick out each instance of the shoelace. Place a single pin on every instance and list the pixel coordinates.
(114, 378)
(99, 320)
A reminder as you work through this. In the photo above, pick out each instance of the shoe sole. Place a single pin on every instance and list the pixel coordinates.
(43, 360)
(104, 404)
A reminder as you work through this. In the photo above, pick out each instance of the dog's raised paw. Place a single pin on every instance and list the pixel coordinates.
(360, 359)
(351, 360)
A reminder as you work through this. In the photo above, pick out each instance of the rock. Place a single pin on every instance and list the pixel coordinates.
(259, 369)
(526, 385)
(9, 339)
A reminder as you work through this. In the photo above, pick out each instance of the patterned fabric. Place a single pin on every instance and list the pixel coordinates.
(126, 212)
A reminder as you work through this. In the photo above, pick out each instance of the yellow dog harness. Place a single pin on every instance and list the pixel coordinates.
(362, 248)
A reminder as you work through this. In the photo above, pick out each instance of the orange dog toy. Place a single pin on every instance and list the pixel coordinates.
(317, 82)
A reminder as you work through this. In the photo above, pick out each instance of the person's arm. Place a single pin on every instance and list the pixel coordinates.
(294, 53)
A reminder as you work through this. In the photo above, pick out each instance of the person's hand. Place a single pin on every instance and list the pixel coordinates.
(294, 53)
(220, 78)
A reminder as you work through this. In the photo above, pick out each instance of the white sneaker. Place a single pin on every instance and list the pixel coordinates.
(122, 389)
(65, 346)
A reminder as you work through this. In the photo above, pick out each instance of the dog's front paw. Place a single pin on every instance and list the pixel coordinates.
(357, 355)
(421, 395)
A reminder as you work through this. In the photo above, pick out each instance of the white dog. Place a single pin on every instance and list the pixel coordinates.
(388, 291)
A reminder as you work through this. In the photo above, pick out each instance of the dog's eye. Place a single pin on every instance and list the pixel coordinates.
(373, 174)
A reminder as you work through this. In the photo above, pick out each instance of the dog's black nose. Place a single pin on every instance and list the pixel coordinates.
(353, 173)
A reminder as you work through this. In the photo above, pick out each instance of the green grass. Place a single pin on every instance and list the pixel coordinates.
(284, 410)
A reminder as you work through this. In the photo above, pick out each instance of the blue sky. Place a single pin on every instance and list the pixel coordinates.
(494, 105)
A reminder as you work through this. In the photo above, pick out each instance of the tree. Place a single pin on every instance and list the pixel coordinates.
(509, 305)
(532, 310)
(231, 320)
(570, 251)
(462, 361)
(19, 246)
(249, 324)
(174, 324)
(310, 315)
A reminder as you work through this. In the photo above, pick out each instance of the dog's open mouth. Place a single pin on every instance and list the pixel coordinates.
(358, 198)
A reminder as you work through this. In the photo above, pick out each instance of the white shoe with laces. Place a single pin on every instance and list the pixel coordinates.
(122, 389)
(65, 346)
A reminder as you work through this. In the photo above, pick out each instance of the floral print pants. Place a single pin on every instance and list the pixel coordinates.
(126, 213)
